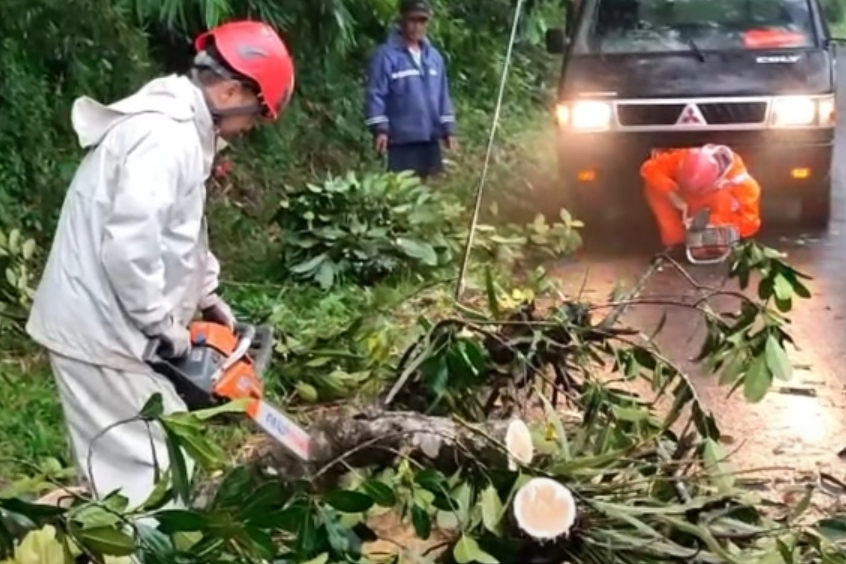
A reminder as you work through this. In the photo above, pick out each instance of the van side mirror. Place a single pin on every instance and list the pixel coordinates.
(556, 40)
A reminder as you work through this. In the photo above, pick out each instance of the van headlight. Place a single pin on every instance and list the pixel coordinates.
(793, 111)
(585, 115)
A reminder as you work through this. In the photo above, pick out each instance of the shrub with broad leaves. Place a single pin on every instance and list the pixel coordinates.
(363, 229)
(17, 255)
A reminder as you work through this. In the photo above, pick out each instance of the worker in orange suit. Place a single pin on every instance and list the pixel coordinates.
(682, 183)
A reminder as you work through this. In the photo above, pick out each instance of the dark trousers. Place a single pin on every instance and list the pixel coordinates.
(424, 158)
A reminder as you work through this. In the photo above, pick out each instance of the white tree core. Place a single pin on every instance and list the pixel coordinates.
(518, 442)
(544, 509)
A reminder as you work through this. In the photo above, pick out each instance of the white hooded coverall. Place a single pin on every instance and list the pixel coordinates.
(130, 254)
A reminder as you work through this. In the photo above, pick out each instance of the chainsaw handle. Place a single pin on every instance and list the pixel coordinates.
(157, 351)
(246, 331)
(260, 337)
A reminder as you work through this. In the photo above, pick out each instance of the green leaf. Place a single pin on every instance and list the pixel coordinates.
(107, 541)
(833, 529)
(35, 511)
(194, 439)
(180, 480)
(234, 406)
(325, 275)
(94, 516)
(757, 381)
(419, 250)
(28, 249)
(340, 537)
(421, 521)
(261, 500)
(156, 543)
(381, 493)
(154, 408)
(309, 265)
(467, 550)
(233, 489)
(261, 543)
(306, 391)
(719, 470)
(782, 288)
(734, 368)
(161, 494)
(491, 509)
(801, 290)
(348, 501)
(777, 360)
(173, 520)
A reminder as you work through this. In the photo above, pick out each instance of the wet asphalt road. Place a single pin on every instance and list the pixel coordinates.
(786, 430)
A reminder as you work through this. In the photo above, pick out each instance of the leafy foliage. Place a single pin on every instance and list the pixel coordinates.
(365, 229)
(652, 485)
(749, 346)
(17, 266)
(110, 48)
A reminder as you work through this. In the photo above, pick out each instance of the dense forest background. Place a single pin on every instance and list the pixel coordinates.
(54, 51)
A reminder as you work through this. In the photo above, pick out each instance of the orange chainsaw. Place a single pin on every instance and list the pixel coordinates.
(225, 365)
(707, 243)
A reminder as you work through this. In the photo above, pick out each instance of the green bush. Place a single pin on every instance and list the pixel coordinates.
(107, 49)
(362, 229)
(17, 269)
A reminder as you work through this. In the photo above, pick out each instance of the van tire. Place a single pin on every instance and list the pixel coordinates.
(816, 206)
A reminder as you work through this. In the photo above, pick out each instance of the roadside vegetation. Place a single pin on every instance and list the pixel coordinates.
(355, 269)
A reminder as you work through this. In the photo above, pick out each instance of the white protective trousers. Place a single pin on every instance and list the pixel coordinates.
(95, 398)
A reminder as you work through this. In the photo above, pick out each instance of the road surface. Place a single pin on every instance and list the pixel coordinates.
(785, 431)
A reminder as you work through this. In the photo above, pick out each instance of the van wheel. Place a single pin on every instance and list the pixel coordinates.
(816, 206)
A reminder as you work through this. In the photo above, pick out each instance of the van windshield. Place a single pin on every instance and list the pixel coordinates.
(651, 26)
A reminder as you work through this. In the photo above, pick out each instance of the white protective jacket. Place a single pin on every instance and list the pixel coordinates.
(131, 250)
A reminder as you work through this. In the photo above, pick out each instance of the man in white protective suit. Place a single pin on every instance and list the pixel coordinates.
(130, 261)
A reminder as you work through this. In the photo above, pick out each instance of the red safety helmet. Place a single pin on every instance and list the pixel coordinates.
(255, 52)
(699, 170)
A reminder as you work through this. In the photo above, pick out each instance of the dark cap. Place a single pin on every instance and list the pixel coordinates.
(418, 6)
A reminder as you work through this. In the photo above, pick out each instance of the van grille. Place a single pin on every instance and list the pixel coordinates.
(648, 114)
(723, 113)
(715, 113)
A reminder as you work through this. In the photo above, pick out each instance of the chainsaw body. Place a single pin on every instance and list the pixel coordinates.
(707, 243)
(225, 365)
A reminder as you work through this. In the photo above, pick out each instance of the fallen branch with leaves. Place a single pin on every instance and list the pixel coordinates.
(468, 440)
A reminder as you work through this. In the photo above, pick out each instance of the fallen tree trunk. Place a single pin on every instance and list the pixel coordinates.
(378, 437)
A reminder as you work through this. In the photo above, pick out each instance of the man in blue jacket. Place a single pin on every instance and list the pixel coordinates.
(409, 108)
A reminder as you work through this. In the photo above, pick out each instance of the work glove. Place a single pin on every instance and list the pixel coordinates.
(175, 342)
(216, 310)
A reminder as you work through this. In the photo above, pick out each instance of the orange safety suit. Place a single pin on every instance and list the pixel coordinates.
(735, 199)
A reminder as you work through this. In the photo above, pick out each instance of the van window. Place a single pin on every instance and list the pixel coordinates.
(638, 26)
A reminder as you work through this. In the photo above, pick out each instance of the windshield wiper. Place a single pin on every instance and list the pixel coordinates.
(695, 48)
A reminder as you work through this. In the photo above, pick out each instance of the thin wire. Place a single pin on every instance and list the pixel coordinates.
(468, 245)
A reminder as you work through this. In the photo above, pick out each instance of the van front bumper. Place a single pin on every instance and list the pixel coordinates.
(603, 168)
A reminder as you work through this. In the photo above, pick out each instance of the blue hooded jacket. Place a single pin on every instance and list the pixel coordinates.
(409, 103)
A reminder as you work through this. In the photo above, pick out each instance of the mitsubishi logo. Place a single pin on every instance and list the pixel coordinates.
(691, 116)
